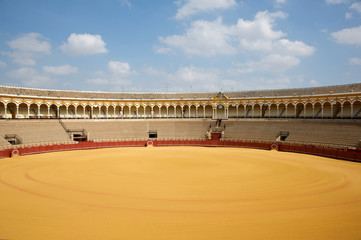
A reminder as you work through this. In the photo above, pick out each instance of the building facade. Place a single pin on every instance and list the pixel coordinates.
(342, 101)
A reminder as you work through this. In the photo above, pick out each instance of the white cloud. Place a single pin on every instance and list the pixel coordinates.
(31, 78)
(279, 3)
(3, 64)
(314, 83)
(355, 61)
(271, 63)
(202, 38)
(192, 7)
(336, 1)
(60, 70)
(356, 6)
(119, 68)
(296, 48)
(348, 15)
(258, 36)
(348, 36)
(117, 75)
(84, 44)
(126, 3)
(28, 47)
(206, 38)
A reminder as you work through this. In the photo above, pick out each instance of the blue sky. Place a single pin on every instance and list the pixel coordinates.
(184, 45)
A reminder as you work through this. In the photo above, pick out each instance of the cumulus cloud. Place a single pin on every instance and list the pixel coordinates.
(270, 63)
(84, 44)
(119, 68)
(117, 75)
(192, 7)
(348, 36)
(60, 70)
(211, 38)
(348, 15)
(336, 1)
(29, 77)
(355, 61)
(27, 47)
(202, 38)
(356, 6)
(279, 3)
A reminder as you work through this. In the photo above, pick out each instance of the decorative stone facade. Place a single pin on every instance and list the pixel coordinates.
(342, 101)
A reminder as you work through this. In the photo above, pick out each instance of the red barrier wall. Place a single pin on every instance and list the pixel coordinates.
(347, 154)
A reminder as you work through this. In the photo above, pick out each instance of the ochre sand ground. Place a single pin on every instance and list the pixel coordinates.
(179, 193)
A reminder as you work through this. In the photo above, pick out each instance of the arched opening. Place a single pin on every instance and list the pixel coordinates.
(208, 111)
(178, 111)
(44, 110)
(171, 112)
(248, 112)
(141, 112)
(103, 112)
(163, 111)
(185, 112)
(54, 111)
(265, 110)
(126, 110)
(220, 112)
(232, 110)
(79, 113)
(148, 112)
(11, 110)
(357, 109)
(308, 110)
(23, 111)
(290, 111)
(272, 111)
(326, 110)
(71, 111)
(256, 113)
(34, 111)
(299, 110)
(2, 110)
(317, 112)
(281, 110)
(88, 112)
(118, 109)
(346, 109)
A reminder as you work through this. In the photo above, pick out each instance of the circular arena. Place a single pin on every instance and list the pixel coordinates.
(275, 164)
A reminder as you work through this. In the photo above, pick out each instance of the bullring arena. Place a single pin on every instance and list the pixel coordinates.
(272, 164)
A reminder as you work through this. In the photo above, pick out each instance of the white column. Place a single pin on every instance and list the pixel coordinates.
(17, 111)
(167, 111)
(351, 110)
(137, 112)
(331, 110)
(144, 111)
(28, 111)
(17, 108)
(204, 112)
(66, 112)
(313, 111)
(278, 109)
(175, 111)
(83, 112)
(196, 111)
(226, 109)
(252, 111)
(269, 111)
(48, 111)
(322, 111)
(286, 111)
(237, 111)
(189, 113)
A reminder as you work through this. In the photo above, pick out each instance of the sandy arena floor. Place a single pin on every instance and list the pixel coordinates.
(179, 193)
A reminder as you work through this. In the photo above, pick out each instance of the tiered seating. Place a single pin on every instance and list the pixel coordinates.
(35, 131)
(316, 131)
(110, 129)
